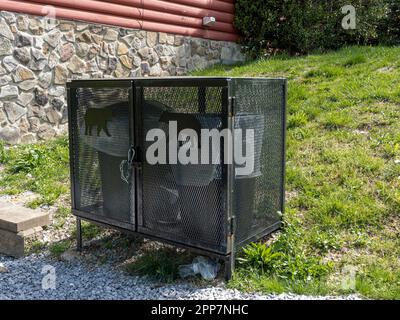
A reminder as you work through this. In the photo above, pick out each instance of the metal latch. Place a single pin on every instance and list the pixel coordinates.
(125, 166)
(131, 155)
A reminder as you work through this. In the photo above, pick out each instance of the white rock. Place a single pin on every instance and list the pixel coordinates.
(3, 269)
(5, 46)
(10, 63)
(45, 79)
(8, 92)
(14, 111)
(39, 42)
(5, 80)
(53, 38)
(5, 30)
(57, 91)
(27, 85)
(69, 255)
(24, 98)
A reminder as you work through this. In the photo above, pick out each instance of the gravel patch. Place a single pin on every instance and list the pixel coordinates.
(22, 279)
(82, 276)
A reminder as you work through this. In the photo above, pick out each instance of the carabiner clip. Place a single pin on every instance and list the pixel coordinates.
(125, 166)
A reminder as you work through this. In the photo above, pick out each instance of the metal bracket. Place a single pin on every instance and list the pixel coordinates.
(232, 106)
(232, 225)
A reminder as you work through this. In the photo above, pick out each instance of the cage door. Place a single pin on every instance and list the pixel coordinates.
(183, 203)
(101, 132)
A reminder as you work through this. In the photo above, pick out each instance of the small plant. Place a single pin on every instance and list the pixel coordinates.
(357, 59)
(28, 159)
(326, 241)
(258, 255)
(3, 153)
(161, 264)
(58, 248)
(297, 120)
(62, 212)
(35, 246)
(90, 230)
(335, 121)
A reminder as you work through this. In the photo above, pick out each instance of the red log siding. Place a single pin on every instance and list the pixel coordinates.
(182, 17)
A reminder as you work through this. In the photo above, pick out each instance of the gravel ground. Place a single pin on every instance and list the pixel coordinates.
(22, 279)
(82, 277)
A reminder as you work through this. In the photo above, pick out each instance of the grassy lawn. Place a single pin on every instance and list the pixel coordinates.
(42, 168)
(343, 175)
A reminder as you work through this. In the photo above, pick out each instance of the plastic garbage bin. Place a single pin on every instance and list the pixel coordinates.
(200, 217)
(106, 130)
(115, 191)
(199, 184)
(254, 122)
(245, 184)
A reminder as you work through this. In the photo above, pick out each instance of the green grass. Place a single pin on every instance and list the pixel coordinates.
(42, 168)
(160, 264)
(58, 248)
(343, 147)
(343, 177)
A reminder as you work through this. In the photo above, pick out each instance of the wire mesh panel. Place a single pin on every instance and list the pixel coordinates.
(185, 203)
(128, 157)
(100, 129)
(258, 195)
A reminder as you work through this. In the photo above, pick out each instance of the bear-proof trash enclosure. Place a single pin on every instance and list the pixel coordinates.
(195, 162)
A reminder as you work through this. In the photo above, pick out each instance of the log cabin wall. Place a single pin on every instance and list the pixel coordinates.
(184, 17)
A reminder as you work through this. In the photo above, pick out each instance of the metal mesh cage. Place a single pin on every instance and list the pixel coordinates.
(212, 207)
(100, 126)
(183, 203)
(258, 197)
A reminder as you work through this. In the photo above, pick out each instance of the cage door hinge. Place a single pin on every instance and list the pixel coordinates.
(232, 225)
(231, 106)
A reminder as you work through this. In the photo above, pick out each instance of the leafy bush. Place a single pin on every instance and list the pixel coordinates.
(300, 26)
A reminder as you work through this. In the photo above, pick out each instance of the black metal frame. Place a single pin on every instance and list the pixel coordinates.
(135, 99)
(277, 225)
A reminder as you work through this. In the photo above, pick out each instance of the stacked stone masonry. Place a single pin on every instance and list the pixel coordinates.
(38, 56)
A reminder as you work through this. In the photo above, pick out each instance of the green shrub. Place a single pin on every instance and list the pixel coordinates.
(300, 26)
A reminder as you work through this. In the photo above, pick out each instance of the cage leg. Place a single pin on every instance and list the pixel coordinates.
(229, 266)
(78, 235)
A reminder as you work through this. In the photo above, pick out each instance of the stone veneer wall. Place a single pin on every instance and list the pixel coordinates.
(36, 60)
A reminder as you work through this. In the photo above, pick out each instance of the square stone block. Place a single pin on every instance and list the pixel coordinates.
(17, 218)
(13, 244)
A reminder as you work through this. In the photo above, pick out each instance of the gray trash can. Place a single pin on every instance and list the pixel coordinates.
(106, 129)
(199, 185)
(245, 185)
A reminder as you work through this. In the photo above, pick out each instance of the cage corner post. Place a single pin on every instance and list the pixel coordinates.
(229, 266)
